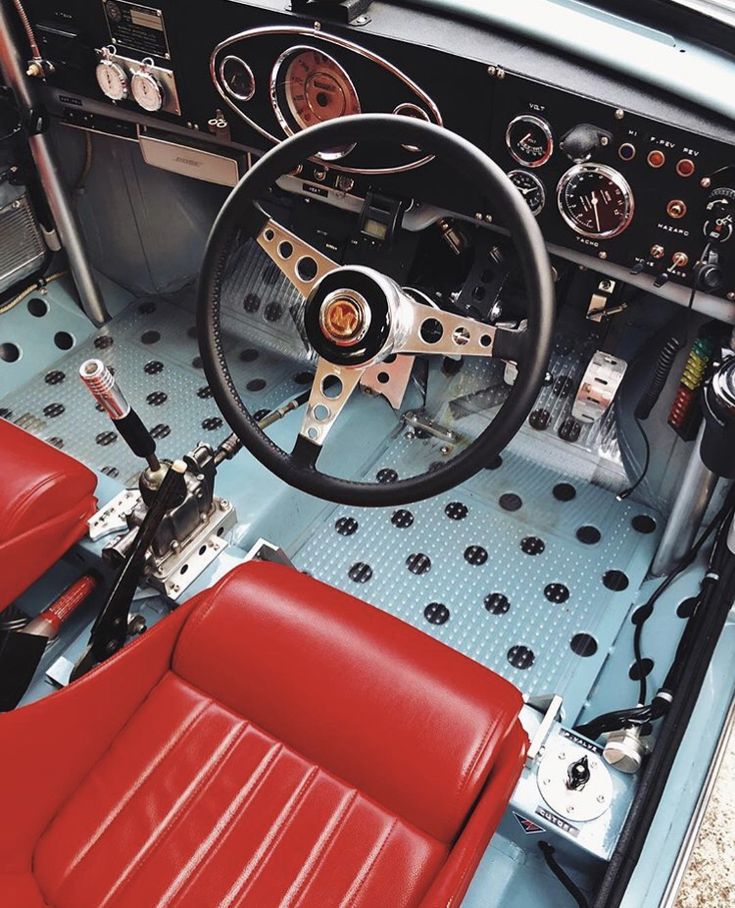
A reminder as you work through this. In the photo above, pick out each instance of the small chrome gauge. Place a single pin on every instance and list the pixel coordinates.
(308, 87)
(112, 79)
(237, 78)
(529, 140)
(595, 200)
(531, 188)
(146, 89)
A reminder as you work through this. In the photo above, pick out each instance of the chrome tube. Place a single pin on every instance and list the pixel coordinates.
(13, 71)
(692, 500)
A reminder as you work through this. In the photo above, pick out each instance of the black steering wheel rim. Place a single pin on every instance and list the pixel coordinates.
(240, 216)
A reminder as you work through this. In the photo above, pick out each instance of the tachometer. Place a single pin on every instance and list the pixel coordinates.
(308, 87)
(595, 200)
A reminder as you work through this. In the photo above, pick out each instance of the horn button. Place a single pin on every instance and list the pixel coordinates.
(348, 315)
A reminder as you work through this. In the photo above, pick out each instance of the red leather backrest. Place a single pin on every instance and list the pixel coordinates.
(392, 711)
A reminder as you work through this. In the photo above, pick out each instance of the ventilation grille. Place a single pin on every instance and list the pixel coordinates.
(22, 250)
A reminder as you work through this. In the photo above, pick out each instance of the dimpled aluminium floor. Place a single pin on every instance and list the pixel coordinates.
(528, 573)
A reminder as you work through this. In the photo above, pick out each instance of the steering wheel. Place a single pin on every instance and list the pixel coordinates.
(360, 322)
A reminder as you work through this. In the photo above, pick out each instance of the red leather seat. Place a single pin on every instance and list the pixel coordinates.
(46, 498)
(273, 742)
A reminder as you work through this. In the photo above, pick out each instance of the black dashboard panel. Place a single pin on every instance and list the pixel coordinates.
(473, 80)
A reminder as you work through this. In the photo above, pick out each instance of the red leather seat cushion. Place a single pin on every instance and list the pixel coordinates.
(296, 747)
(197, 804)
(45, 501)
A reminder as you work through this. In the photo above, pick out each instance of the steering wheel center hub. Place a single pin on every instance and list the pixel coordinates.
(348, 315)
(344, 317)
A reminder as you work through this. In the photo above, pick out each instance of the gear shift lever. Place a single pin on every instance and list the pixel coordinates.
(105, 390)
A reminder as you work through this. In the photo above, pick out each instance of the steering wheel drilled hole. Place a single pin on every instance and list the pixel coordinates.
(321, 412)
(461, 336)
(285, 249)
(306, 269)
(431, 331)
(332, 387)
(269, 234)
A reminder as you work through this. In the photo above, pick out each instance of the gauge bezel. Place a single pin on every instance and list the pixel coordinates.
(142, 75)
(543, 126)
(539, 185)
(423, 115)
(122, 75)
(221, 72)
(615, 177)
(333, 154)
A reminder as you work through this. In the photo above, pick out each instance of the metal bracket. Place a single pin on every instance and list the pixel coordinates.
(268, 551)
(348, 12)
(113, 517)
(553, 706)
(178, 569)
(598, 306)
(421, 423)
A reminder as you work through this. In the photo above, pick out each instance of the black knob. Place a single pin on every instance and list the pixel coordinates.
(709, 278)
(720, 218)
(583, 140)
(578, 774)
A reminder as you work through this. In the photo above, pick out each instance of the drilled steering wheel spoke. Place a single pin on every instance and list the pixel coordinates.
(330, 391)
(429, 330)
(298, 261)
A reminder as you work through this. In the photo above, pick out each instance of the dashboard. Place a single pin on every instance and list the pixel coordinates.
(619, 176)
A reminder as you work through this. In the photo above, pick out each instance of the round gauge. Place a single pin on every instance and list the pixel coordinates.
(529, 140)
(595, 200)
(146, 90)
(237, 78)
(308, 87)
(531, 188)
(112, 79)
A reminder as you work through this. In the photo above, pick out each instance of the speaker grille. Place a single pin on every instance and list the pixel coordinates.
(22, 249)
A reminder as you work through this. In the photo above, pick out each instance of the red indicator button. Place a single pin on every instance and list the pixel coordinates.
(656, 158)
(685, 167)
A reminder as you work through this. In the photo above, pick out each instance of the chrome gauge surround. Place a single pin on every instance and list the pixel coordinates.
(146, 90)
(535, 123)
(238, 61)
(407, 109)
(320, 37)
(518, 177)
(114, 73)
(615, 178)
(283, 64)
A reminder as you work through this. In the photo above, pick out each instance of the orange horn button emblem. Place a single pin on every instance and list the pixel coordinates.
(342, 321)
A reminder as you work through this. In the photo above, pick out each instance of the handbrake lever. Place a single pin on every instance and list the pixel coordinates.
(110, 629)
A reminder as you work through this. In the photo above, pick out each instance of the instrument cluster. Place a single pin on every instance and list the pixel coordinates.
(282, 79)
(607, 182)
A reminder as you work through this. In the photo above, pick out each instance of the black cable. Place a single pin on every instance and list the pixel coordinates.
(646, 462)
(576, 893)
(642, 714)
(664, 364)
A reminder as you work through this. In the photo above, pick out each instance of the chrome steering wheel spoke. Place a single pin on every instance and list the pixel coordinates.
(425, 329)
(330, 391)
(298, 261)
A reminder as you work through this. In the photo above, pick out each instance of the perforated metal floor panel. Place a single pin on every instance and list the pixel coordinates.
(153, 350)
(519, 569)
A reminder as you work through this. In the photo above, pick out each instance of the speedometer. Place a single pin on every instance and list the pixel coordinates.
(595, 200)
(308, 87)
